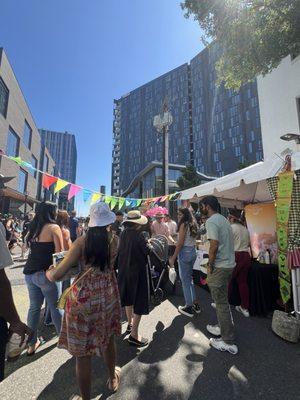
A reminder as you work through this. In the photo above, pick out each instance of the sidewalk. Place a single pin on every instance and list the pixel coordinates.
(177, 364)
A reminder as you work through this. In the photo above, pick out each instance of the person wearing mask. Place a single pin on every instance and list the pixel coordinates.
(117, 225)
(8, 312)
(219, 271)
(186, 252)
(44, 238)
(92, 315)
(73, 226)
(133, 274)
(241, 239)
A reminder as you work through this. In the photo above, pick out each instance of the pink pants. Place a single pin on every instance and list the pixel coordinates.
(240, 274)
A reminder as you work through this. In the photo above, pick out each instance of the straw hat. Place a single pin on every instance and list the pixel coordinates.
(101, 215)
(136, 217)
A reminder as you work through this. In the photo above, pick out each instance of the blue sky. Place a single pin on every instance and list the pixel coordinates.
(73, 57)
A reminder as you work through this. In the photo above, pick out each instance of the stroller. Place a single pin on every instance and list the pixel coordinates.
(158, 267)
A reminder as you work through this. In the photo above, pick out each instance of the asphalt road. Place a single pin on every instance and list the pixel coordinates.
(178, 364)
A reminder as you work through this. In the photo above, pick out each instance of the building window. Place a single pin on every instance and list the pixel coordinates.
(46, 163)
(13, 142)
(34, 163)
(250, 148)
(27, 135)
(22, 181)
(4, 94)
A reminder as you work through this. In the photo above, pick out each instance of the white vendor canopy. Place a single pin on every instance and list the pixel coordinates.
(248, 185)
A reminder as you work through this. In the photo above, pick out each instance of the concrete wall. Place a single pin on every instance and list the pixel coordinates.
(17, 113)
(277, 94)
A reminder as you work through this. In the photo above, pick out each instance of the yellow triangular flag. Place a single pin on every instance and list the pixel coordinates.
(95, 197)
(60, 184)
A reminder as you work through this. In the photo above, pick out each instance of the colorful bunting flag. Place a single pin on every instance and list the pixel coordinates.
(48, 180)
(86, 194)
(60, 184)
(114, 202)
(96, 197)
(108, 199)
(121, 202)
(74, 189)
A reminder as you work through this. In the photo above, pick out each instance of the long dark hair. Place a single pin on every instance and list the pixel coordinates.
(96, 251)
(188, 221)
(45, 214)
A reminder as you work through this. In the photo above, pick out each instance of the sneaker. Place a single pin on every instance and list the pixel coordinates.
(197, 308)
(213, 305)
(243, 311)
(220, 345)
(138, 343)
(214, 329)
(186, 310)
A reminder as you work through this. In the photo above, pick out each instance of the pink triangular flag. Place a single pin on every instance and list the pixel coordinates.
(74, 189)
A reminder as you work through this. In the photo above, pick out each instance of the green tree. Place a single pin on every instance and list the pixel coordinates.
(254, 35)
(189, 178)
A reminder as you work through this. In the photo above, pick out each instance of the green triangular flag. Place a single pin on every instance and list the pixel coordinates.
(114, 202)
(108, 199)
(138, 202)
(121, 202)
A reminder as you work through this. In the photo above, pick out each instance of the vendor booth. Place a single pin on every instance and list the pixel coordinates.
(270, 195)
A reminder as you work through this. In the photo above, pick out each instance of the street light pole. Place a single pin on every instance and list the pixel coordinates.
(162, 124)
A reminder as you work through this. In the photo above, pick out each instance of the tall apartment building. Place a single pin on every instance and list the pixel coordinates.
(214, 129)
(62, 147)
(19, 137)
(137, 143)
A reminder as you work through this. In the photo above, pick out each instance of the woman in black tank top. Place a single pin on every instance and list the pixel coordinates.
(39, 260)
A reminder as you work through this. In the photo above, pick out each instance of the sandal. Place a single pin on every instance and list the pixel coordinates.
(117, 376)
(38, 343)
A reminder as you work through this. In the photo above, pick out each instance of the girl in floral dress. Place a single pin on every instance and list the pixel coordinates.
(92, 313)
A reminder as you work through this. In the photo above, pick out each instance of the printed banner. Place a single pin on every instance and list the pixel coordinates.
(261, 223)
(283, 205)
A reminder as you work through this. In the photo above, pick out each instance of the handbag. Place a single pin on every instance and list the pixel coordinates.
(61, 303)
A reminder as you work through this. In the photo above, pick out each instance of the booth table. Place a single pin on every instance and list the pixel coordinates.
(262, 282)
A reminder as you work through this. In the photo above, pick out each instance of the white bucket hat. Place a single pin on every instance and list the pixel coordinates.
(101, 215)
(136, 217)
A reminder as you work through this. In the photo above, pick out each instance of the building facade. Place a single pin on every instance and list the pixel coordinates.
(279, 98)
(19, 137)
(136, 143)
(62, 147)
(216, 130)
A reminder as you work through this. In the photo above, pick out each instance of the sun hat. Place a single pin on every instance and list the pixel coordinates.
(101, 215)
(136, 217)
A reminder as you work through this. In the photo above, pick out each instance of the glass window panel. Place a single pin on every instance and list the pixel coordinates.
(4, 93)
(27, 135)
(34, 164)
(12, 147)
(22, 181)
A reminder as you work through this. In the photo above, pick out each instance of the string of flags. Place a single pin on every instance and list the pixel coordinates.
(50, 182)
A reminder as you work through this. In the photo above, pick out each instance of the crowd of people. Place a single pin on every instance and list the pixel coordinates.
(112, 254)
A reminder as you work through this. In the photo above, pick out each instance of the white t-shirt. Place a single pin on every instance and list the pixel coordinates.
(241, 237)
(172, 227)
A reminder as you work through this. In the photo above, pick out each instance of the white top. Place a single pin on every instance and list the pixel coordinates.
(172, 227)
(241, 237)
